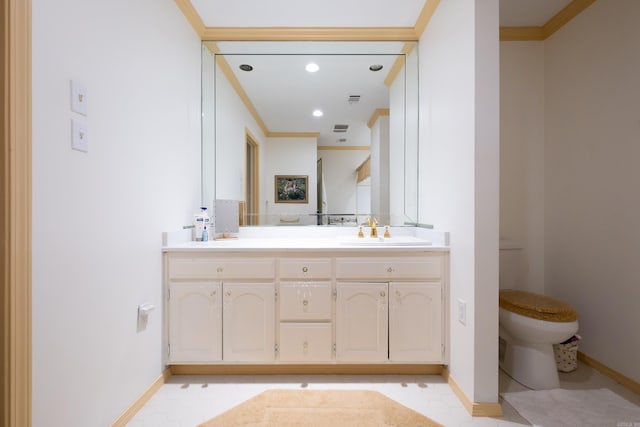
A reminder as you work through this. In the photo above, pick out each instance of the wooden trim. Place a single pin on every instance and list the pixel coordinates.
(293, 135)
(561, 18)
(521, 34)
(192, 16)
(427, 12)
(611, 373)
(364, 170)
(15, 214)
(395, 70)
(344, 147)
(304, 369)
(309, 33)
(235, 83)
(133, 409)
(213, 47)
(475, 409)
(255, 199)
(380, 112)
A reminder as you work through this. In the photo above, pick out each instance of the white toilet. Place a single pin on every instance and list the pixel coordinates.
(529, 326)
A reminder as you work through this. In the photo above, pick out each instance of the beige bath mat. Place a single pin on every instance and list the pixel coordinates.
(320, 408)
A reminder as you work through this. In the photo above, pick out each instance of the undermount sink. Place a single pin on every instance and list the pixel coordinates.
(381, 241)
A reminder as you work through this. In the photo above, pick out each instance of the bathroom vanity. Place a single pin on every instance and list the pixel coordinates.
(306, 300)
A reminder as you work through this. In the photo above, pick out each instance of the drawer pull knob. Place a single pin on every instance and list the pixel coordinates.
(305, 269)
(382, 293)
(228, 293)
(389, 270)
(398, 294)
(305, 302)
(219, 269)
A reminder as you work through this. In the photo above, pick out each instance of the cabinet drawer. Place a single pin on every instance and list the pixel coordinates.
(389, 268)
(305, 342)
(305, 269)
(305, 301)
(221, 268)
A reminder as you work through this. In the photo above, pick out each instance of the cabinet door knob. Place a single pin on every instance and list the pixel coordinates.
(382, 293)
(398, 294)
(305, 302)
(228, 293)
(389, 270)
(305, 269)
(219, 269)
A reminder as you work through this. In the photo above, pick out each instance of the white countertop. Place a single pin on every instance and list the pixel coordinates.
(405, 240)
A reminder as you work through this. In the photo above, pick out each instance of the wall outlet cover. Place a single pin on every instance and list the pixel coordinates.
(78, 98)
(462, 311)
(79, 136)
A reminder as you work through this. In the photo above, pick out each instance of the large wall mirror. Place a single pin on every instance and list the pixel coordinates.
(311, 133)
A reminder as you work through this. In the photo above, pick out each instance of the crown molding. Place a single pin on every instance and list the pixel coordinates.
(308, 33)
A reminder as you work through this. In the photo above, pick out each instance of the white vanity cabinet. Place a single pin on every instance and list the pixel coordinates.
(397, 314)
(195, 329)
(415, 321)
(305, 310)
(362, 322)
(315, 306)
(221, 308)
(248, 326)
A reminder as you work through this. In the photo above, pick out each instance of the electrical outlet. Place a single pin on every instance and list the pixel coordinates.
(462, 311)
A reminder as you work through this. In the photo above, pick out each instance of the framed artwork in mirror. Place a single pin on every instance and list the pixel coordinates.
(291, 189)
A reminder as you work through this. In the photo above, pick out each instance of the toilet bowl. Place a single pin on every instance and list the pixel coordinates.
(529, 325)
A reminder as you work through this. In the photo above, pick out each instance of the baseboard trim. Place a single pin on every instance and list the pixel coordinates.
(277, 369)
(611, 373)
(133, 409)
(475, 409)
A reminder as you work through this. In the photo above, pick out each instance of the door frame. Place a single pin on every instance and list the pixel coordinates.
(15, 214)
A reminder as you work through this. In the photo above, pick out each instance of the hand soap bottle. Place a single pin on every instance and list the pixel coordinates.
(202, 220)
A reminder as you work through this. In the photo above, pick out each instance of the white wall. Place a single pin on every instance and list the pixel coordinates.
(380, 169)
(592, 202)
(397, 147)
(459, 176)
(339, 168)
(290, 156)
(232, 120)
(522, 155)
(98, 216)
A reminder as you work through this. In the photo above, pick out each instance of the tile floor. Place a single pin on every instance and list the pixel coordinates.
(190, 400)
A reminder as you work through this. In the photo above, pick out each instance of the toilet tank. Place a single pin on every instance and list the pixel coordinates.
(513, 268)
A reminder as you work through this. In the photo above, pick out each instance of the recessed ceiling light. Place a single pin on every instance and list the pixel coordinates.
(245, 67)
(312, 67)
(376, 67)
(318, 113)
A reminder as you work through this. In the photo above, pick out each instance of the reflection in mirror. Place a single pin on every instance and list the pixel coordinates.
(349, 127)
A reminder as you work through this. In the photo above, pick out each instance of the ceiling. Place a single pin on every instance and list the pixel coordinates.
(353, 13)
(284, 94)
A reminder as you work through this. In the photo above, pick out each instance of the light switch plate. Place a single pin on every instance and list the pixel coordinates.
(79, 136)
(78, 98)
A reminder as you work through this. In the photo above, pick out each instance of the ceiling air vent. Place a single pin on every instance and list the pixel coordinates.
(340, 128)
(354, 98)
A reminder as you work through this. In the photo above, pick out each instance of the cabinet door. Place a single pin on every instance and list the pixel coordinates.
(249, 322)
(415, 322)
(195, 322)
(362, 322)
